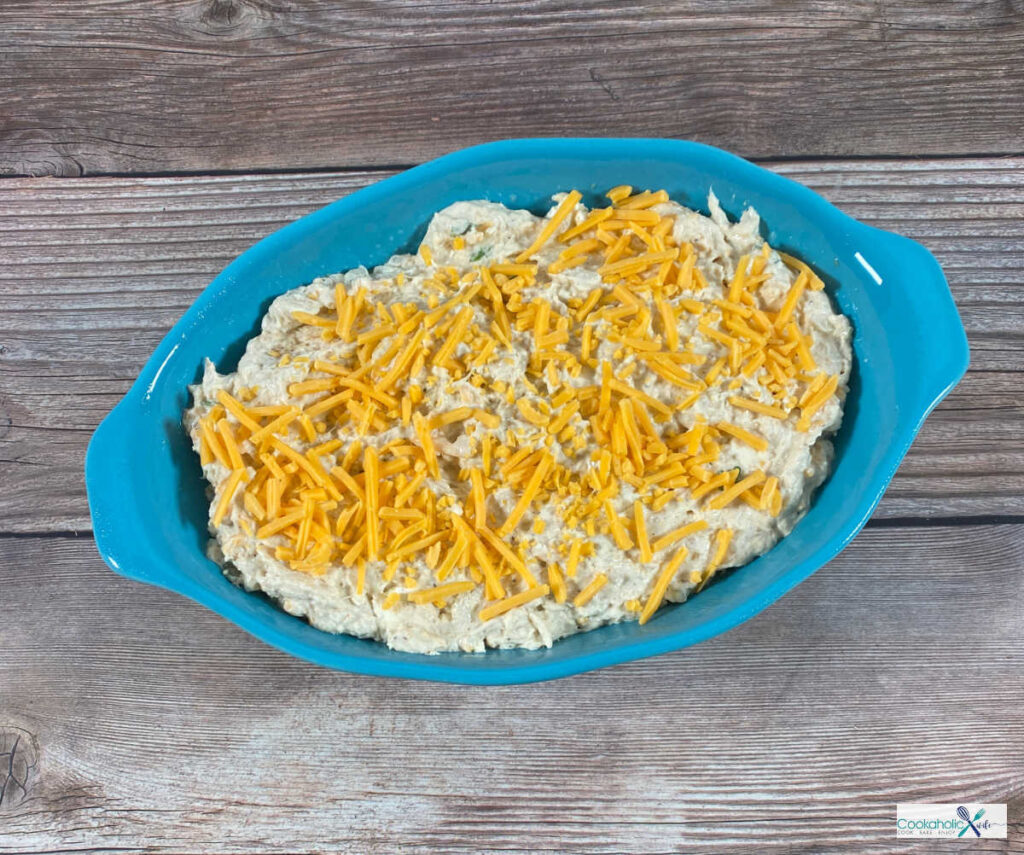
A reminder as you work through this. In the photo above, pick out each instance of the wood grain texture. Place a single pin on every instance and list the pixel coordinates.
(134, 720)
(144, 86)
(97, 270)
(160, 726)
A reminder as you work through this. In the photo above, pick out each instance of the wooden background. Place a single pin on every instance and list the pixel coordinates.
(145, 143)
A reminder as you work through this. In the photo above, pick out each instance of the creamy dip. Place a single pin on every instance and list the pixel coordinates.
(532, 427)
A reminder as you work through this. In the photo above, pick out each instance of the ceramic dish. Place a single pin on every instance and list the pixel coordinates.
(146, 492)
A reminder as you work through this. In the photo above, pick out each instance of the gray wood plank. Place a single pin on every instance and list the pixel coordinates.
(893, 674)
(222, 84)
(96, 270)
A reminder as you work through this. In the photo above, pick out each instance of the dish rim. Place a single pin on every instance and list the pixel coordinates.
(107, 533)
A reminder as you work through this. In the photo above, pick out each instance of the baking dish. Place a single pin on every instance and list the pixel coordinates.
(146, 491)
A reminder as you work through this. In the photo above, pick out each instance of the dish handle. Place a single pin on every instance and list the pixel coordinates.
(121, 534)
(932, 355)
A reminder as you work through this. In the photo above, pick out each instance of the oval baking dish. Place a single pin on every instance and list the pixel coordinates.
(146, 493)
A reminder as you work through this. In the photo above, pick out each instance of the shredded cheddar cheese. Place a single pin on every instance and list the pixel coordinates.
(721, 546)
(522, 598)
(557, 582)
(743, 435)
(758, 407)
(227, 494)
(440, 592)
(678, 534)
(557, 218)
(662, 583)
(605, 391)
(726, 496)
(588, 593)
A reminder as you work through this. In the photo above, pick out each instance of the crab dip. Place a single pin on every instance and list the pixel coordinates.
(531, 427)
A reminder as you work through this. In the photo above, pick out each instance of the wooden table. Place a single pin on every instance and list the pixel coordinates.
(145, 144)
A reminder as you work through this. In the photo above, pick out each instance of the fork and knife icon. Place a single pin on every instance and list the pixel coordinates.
(965, 815)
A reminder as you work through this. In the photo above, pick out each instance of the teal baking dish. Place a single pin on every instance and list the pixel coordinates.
(145, 488)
